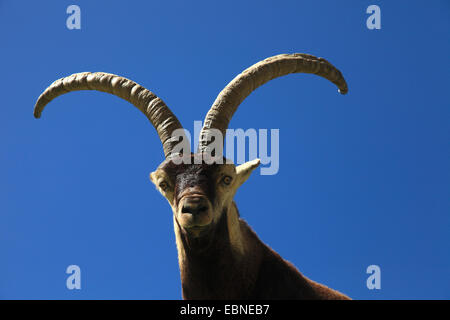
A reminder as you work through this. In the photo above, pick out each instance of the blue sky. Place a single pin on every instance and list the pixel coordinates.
(364, 178)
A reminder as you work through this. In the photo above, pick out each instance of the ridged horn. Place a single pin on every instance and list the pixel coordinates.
(160, 116)
(229, 99)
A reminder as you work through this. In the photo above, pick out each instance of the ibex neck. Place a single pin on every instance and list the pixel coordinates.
(210, 269)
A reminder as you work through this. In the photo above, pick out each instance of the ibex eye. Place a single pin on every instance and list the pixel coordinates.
(226, 180)
(164, 186)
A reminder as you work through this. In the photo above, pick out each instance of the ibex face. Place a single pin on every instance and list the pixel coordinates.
(200, 191)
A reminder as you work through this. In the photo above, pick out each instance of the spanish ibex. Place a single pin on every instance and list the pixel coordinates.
(220, 256)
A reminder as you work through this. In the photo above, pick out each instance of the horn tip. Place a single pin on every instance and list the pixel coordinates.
(37, 112)
(342, 86)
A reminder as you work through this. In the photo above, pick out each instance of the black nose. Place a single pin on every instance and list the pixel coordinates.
(194, 205)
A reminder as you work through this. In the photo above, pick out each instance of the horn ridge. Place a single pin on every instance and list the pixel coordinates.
(229, 99)
(153, 107)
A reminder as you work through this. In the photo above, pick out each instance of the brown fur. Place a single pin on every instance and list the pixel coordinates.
(211, 270)
(225, 259)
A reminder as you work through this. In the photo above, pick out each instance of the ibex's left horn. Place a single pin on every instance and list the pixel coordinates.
(227, 102)
(146, 101)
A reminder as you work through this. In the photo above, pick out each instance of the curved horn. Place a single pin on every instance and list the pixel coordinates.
(146, 101)
(227, 102)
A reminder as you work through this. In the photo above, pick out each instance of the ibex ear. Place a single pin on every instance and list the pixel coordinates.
(153, 177)
(244, 170)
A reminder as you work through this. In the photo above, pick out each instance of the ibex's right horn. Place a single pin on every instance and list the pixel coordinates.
(153, 107)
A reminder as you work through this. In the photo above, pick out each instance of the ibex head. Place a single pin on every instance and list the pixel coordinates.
(200, 189)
